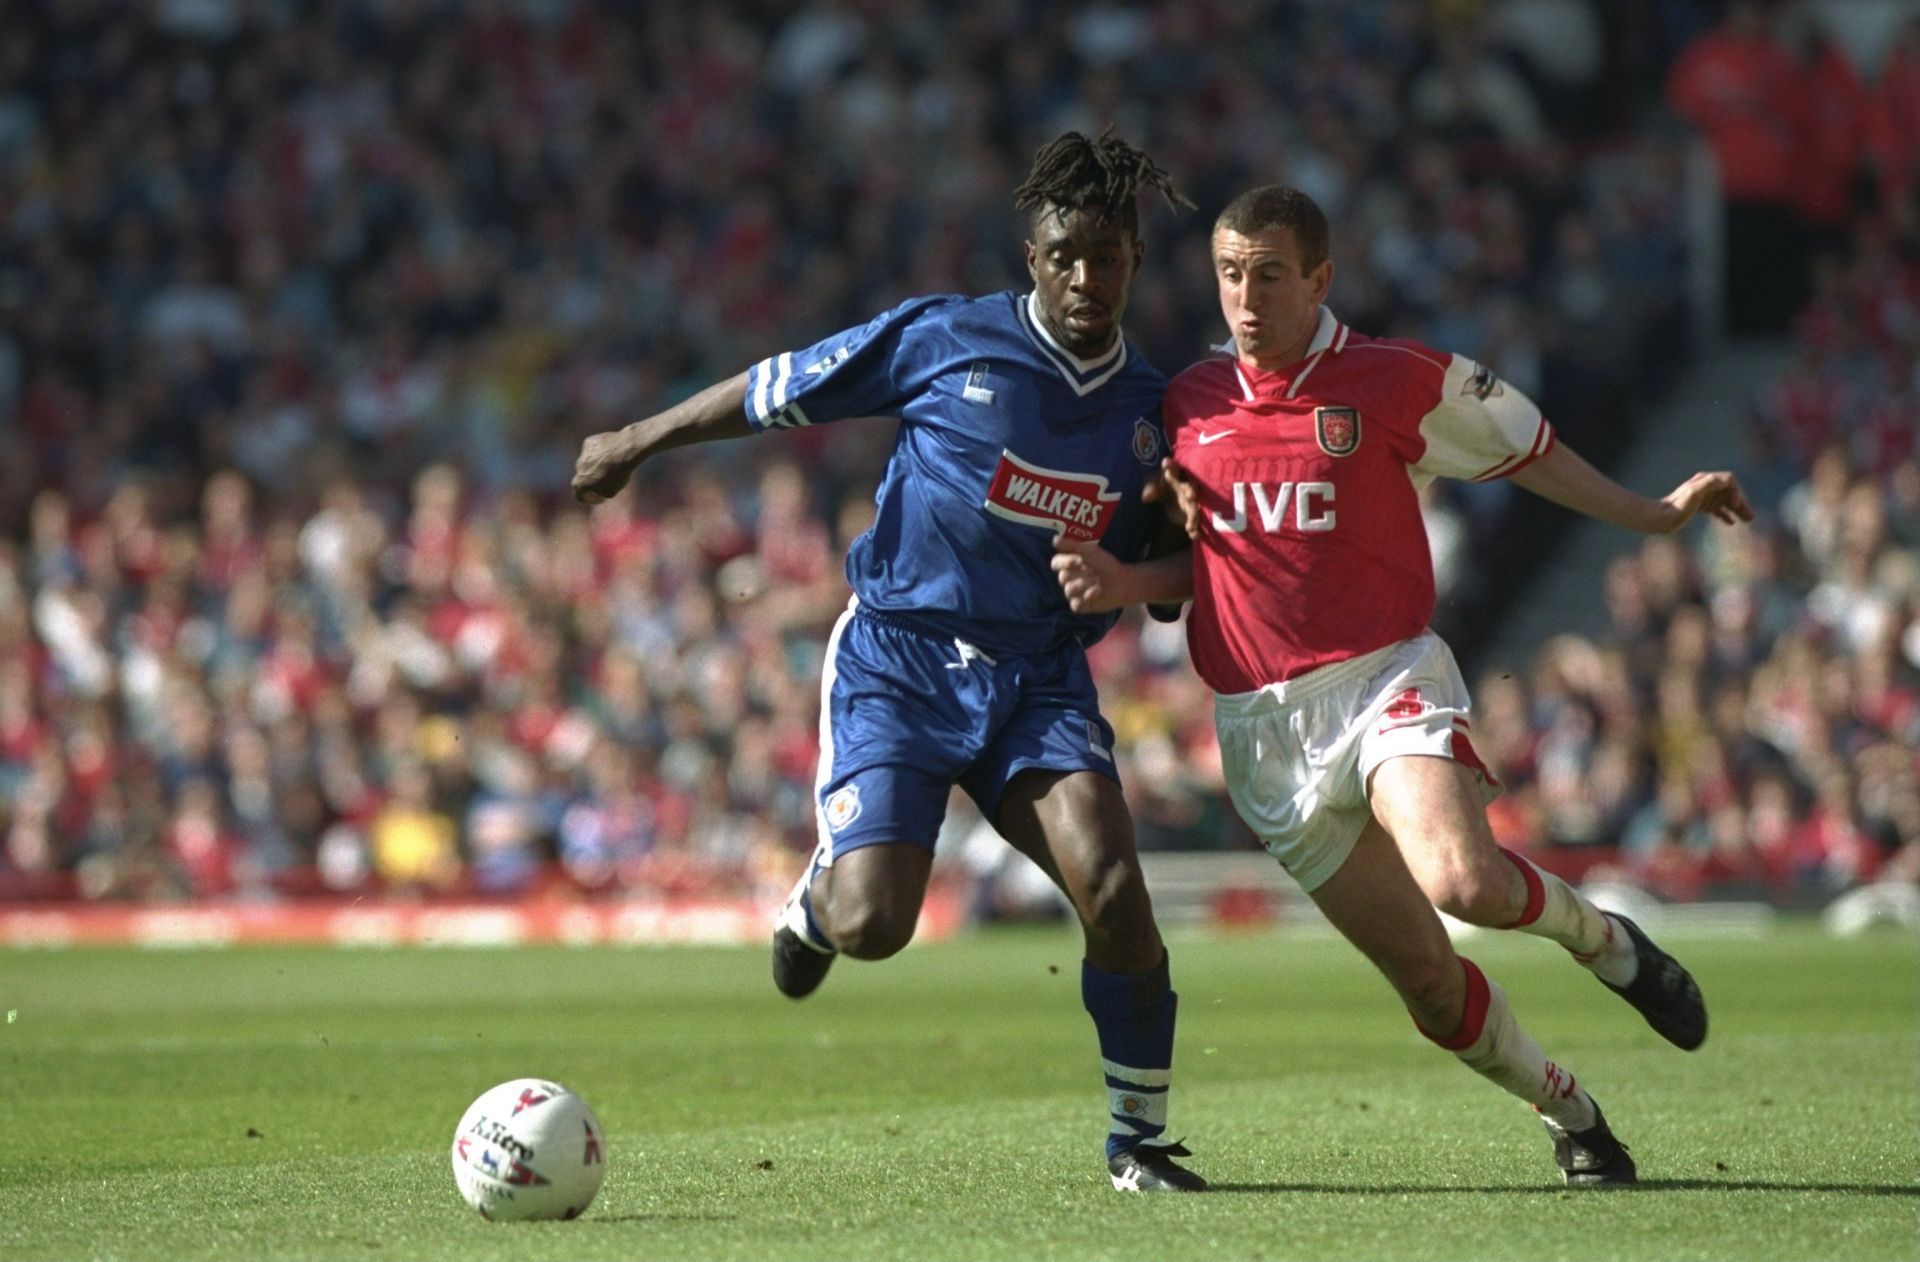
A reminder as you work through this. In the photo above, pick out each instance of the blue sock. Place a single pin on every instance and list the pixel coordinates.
(1133, 1014)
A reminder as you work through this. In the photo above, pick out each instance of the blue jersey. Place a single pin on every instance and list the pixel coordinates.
(1005, 440)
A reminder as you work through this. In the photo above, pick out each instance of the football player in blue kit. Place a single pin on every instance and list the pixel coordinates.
(1022, 417)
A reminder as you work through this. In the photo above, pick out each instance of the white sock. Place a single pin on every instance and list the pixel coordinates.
(1561, 913)
(1492, 1044)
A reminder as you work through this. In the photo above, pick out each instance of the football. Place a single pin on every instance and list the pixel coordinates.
(529, 1149)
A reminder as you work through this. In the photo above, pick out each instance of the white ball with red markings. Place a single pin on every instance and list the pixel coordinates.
(529, 1149)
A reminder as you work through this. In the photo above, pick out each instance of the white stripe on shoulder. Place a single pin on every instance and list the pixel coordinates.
(758, 375)
(780, 383)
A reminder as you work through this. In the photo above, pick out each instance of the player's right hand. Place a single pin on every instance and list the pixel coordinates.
(603, 468)
(1718, 494)
(1175, 491)
(1088, 575)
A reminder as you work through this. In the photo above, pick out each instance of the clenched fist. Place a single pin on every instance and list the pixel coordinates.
(606, 462)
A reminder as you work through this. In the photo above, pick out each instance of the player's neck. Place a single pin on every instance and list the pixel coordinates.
(1087, 355)
(1279, 360)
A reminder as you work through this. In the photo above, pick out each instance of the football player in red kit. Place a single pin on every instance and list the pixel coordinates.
(1343, 721)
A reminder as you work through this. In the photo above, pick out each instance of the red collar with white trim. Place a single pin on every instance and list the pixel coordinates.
(1329, 337)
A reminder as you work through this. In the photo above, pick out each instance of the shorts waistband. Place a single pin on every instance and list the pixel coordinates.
(908, 626)
(895, 621)
(1311, 684)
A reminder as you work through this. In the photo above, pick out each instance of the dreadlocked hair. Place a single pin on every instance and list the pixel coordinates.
(1099, 176)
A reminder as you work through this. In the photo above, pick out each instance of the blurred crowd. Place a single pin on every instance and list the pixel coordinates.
(1753, 718)
(1804, 138)
(305, 307)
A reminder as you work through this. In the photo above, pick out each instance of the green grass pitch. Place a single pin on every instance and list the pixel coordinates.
(272, 1104)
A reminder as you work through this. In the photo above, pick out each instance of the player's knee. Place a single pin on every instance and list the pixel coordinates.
(1480, 894)
(874, 930)
(1109, 895)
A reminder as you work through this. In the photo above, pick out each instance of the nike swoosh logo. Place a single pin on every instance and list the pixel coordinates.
(1216, 435)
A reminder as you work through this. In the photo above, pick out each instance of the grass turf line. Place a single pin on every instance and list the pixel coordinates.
(941, 1105)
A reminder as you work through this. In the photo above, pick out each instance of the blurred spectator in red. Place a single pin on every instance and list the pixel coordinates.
(1737, 84)
(211, 859)
(1831, 115)
(1893, 134)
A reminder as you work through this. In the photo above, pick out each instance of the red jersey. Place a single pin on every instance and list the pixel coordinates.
(1312, 546)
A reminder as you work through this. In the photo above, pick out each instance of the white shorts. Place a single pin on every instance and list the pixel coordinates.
(1299, 755)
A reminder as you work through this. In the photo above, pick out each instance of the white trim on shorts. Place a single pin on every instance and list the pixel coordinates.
(829, 671)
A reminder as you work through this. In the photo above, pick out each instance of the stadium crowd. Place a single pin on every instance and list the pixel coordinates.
(305, 307)
(1752, 719)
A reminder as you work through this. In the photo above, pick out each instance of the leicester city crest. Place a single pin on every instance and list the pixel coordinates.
(1146, 442)
(843, 807)
(1338, 430)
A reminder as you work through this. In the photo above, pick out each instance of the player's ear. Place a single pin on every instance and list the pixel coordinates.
(1026, 248)
(1322, 280)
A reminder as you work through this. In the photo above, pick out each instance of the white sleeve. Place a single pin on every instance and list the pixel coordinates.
(1481, 428)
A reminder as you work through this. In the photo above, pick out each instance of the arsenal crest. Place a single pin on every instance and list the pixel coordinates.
(1338, 430)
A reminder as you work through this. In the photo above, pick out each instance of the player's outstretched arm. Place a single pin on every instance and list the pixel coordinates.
(1096, 581)
(608, 460)
(1569, 481)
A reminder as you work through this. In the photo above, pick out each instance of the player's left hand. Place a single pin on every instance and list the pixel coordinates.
(1090, 575)
(1718, 494)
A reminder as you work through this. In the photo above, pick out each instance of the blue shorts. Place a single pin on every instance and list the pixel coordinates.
(908, 715)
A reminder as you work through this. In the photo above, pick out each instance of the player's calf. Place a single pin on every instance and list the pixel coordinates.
(1489, 1041)
(870, 931)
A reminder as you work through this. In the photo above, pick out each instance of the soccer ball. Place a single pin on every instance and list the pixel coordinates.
(529, 1149)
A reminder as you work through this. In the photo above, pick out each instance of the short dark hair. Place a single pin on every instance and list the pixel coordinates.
(1100, 176)
(1278, 206)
